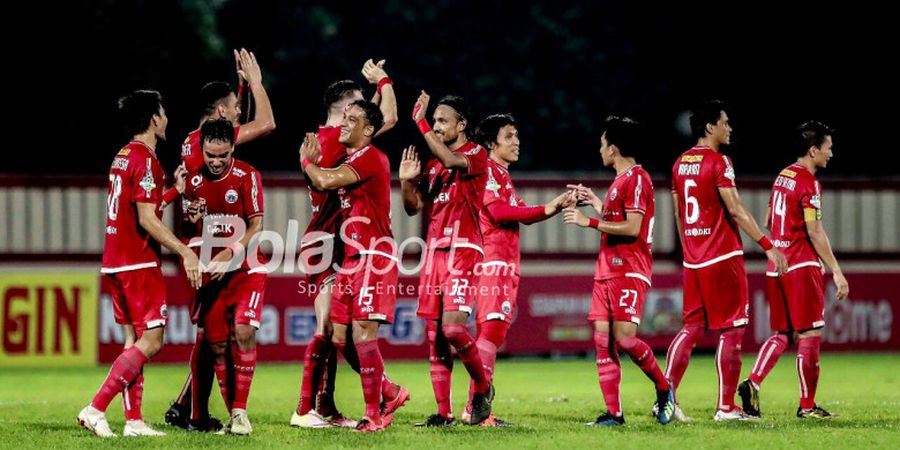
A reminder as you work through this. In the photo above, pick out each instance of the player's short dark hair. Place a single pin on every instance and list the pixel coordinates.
(338, 91)
(212, 94)
(137, 108)
(811, 134)
(489, 128)
(373, 113)
(624, 133)
(707, 112)
(461, 106)
(217, 130)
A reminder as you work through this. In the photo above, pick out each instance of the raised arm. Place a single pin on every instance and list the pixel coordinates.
(384, 95)
(447, 157)
(410, 169)
(263, 121)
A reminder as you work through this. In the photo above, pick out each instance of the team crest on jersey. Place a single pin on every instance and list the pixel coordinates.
(147, 183)
(163, 311)
(231, 196)
(196, 180)
(729, 173)
(613, 194)
(506, 307)
(816, 201)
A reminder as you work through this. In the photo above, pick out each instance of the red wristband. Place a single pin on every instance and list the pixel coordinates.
(424, 128)
(593, 222)
(765, 243)
(383, 82)
(306, 162)
(170, 196)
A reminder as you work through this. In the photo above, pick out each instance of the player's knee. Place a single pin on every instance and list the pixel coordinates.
(810, 333)
(454, 331)
(245, 337)
(218, 348)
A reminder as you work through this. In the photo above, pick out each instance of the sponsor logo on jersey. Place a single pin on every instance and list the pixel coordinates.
(459, 301)
(816, 201)
(474, 150)
(186, 148)
(442, 197)
(250, 314)
(111, 230)
(124, 152)
(231, 196)
(617, 261)
(788, 173)
(613, 194)
(238, 172)
(506, 307)
(692, 158)
(164, 311)
(120, 163)
(698, 231)
(147, 182)
(729, 173)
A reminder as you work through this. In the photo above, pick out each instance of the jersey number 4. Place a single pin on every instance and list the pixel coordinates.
(779, 209)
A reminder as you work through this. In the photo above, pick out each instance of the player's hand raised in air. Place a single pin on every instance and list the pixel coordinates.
(778, 259)
(572, 215)
(421, 107)
(410, 166)
(374, 72)
(247, 67)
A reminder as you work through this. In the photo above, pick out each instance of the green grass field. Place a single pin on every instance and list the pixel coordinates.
(548, 401)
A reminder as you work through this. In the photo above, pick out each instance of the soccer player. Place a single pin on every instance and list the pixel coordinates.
(316, 408)
(229, 190)
(191, 409)
(797, 298)
(453, 188)
(131, 263)
(498, 281)
(366, 287)
(624, 269)
(707, 214)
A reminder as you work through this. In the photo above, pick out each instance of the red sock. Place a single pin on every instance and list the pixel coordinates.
(123, 371)
(371, 372)
(132, 396)
(679, 354)
(314, 365)
(642, 355)
(768, 356)
(244, 366)
(491, 335)
(609, 372)
(462, 342)
(808, 369)
(221, 369)
(389, 389)
(728, 366)
(441, 360)
(186, 397)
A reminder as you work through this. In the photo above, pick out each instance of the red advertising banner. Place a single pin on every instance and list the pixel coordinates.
(552, 318)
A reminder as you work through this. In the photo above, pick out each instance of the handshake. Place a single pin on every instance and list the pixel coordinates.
(577, 195)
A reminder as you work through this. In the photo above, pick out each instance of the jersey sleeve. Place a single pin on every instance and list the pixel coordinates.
(639, 194)
(724, 172)
(145, 174)
(477, 160)
(253, 195)
(364, 166)
(811, 201)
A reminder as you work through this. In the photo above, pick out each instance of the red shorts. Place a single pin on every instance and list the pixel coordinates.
(619, 299)
(238, 301)
(495, 299)
(139, 297)
(326, 275)
(367, 293)
(716, 297)
(797, 300)
(442, 291)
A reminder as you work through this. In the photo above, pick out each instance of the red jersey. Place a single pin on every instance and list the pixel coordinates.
(624, 256)
(134, 177)
(237, 193)
(369, 198)
(709, 234)
(501, 239)
(326, 206)
(796, 199)
(456, 197)
(192, 152)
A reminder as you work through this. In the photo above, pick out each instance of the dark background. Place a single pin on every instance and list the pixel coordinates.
(559, 67)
